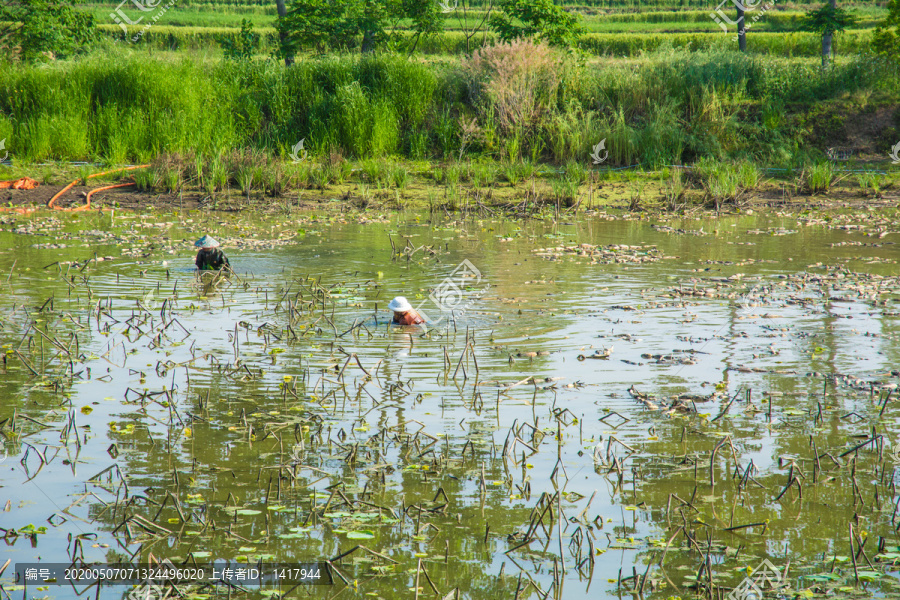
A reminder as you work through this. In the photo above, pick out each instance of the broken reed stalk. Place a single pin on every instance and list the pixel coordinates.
(712, 461)
(884, 405)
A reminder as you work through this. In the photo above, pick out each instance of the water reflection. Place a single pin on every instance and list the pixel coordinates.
(234, 422)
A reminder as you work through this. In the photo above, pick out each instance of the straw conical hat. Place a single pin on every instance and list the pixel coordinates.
(206, 242)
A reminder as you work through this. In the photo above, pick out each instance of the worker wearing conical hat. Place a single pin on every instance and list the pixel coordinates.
(210, 257)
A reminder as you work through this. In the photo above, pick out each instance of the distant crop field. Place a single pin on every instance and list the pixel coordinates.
(612, 28)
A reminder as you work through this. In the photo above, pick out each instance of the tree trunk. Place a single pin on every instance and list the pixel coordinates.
(826, 48)
(742, 30)
(827, 38)
(282, 12)
(368, 42)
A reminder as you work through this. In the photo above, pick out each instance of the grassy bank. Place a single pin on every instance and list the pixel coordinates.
(671, 107)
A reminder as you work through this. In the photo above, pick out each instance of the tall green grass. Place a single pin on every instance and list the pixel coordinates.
(818, 177)
(724, 181)
(673, 106)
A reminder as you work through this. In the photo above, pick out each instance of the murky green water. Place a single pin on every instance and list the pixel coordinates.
(148, 414)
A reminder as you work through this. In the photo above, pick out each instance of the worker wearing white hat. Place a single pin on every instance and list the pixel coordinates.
(210, 257)
(404, 313)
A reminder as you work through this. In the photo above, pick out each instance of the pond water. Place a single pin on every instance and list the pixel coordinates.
(612, 406)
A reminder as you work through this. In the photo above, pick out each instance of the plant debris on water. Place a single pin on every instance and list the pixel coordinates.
(741, 408)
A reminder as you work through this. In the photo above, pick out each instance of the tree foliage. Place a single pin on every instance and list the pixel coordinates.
(44, 29)
(539, 19)
(886, 39)
(426, 17)
(827, 20)
(240, 46)
(311, 24)
(324, 24)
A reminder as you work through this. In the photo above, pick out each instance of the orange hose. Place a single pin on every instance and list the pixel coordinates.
(16, 209)
(88, 205)
(60, 193)
(100, 189)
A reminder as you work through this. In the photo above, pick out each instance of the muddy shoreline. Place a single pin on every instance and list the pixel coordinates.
(347, 197)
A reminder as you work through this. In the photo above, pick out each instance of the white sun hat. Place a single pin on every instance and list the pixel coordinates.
(206, 242)
(400, 304)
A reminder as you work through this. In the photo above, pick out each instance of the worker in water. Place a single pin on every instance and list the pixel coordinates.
(210, 258)
(404, 313)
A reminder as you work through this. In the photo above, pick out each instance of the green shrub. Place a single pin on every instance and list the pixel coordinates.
(817, 178)
(577, 172)
(171, 179)
(320, 176)
(871, 181)
(146, 180)
(451, 174)
(399, 176)
(673, 189)
(565, 190)
(748, 175)
(621, 139)
(375, 170)
(662, 139)
(720, 180)
(273, 180)
(572, 134)
(484, 174)
(219, 176)
(297, 175)
(245, 178)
